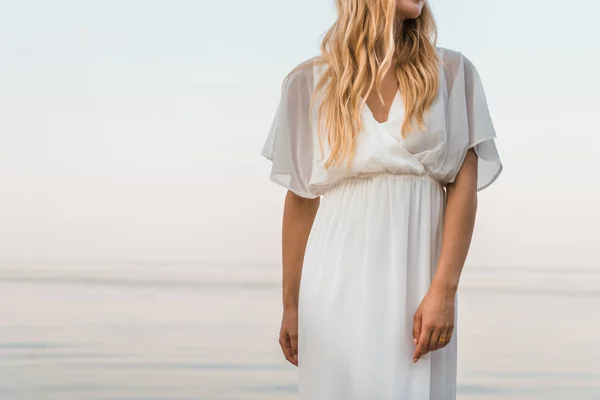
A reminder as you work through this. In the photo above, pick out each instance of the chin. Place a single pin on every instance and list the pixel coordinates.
(410, 9)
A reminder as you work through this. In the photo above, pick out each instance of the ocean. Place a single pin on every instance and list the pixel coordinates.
(138, 330)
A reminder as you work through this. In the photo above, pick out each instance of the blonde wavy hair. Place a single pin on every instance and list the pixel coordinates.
(367, 39)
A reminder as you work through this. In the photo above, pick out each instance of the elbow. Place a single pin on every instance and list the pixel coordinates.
(465, 192)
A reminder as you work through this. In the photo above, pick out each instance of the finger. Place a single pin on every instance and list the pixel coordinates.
(422, 343)
(286, 347)
(449, 335)
(416, 327)
(444, 338)
(434, 340)
(294, 345)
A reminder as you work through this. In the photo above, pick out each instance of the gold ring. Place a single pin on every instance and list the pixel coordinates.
(442, 339)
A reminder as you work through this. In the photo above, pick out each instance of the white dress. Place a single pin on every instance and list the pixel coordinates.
(376, 238)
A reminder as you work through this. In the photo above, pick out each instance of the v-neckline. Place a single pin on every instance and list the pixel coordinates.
(390, 111)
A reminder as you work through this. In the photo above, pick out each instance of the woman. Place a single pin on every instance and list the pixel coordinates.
(394, 134)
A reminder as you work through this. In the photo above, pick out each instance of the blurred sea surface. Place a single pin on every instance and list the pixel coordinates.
(138, 330)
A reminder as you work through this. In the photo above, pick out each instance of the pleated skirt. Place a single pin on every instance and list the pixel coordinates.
(369, 260)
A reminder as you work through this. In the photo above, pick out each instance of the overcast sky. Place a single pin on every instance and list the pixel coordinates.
(133, 129)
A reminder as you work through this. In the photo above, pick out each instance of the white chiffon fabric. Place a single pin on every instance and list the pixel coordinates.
(376, 238)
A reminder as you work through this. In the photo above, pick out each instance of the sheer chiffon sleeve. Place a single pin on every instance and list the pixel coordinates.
(290, 141)
(470, 120)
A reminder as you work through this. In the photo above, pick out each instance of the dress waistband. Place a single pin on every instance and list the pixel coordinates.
(373, 175)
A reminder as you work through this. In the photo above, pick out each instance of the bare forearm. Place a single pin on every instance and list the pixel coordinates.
(298, 217)
(459, 220)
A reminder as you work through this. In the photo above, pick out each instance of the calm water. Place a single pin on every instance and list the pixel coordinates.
(176, 331)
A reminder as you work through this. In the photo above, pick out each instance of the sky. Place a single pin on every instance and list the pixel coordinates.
(132, 129)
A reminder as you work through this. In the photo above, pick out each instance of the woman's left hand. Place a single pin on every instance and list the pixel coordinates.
(434, 321)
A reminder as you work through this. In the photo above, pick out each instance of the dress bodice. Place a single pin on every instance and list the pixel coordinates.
(457, 121)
